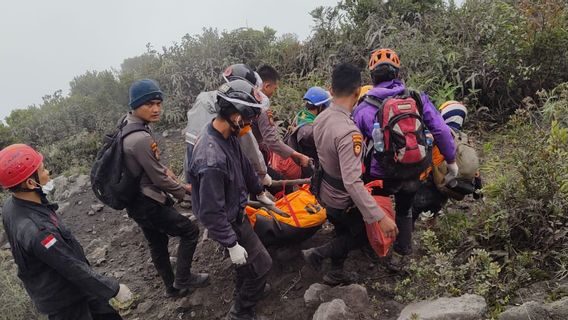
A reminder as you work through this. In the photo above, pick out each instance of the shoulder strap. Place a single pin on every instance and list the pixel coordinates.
(374, 101)
(416, 96)
(128, 128)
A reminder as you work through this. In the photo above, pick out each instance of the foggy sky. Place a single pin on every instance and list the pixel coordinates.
(44, 44)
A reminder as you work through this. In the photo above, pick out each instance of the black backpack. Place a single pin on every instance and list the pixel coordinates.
(112, 183)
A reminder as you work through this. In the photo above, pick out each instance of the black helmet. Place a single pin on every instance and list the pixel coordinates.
(241, 95)
(240, 71)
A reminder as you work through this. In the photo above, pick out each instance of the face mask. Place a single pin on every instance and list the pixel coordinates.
(48, 187)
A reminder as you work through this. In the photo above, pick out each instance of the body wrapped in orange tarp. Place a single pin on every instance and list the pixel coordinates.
(300, 218)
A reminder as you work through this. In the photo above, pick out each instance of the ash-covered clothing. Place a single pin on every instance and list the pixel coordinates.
(364, 117)
(267, 136)
(142, 157)
(339, 148)
(51, 262)
(222, 178)
(203, 111)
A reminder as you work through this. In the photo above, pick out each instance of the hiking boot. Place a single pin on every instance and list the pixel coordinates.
(196, 280)
(172, 292)
(370, 254)
(396, 263)
(339, 277)
(313, 258)
(235, 314)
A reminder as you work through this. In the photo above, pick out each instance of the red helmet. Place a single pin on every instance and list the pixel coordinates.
(17, 163)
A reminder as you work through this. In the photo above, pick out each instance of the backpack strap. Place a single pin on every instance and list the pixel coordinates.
(416, 96)
(374, 101)
(129, 128)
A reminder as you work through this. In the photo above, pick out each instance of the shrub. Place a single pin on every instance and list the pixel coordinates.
(520, 235)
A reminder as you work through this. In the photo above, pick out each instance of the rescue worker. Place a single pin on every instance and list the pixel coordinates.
(341, 190)
(384, 66)
(222, 178)
(51, 262)
(153, 208)
(204, 111)
(432, 196)
(266, 131)
(301, 139)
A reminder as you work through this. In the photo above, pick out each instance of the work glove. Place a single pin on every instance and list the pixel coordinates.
(450, 178)
(267, 180)
(124, 294)
(453, 169)
(238, 254)
(263, 198)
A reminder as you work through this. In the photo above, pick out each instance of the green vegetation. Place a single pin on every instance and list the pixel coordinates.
(491, 53)
(520, 235)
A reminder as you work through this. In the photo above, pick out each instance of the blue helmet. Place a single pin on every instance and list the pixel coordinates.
(318, 96)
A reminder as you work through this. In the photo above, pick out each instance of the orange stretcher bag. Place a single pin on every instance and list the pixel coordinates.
(298, 217)
(377, 239)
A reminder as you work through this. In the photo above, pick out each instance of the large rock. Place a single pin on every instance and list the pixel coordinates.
(558, 310)
(354, 295)
(312, 296)
(64, 188)
(333, 310)
(61, 184)
(466, 307)
(527, 311)
(97, 251)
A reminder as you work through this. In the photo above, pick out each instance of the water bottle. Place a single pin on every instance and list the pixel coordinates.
(429, 137)
(378, 141)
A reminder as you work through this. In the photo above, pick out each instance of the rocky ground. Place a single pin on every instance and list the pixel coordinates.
(116, 247)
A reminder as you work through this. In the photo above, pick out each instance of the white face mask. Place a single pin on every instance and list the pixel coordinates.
(48, 187)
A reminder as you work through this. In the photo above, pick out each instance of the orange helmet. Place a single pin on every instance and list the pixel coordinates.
(383, 56)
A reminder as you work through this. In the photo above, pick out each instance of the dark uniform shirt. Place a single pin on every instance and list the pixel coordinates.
(221, 177)
(51, 262)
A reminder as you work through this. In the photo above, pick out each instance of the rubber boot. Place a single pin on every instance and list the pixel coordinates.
(314, 256)
(196, 280)
(338, 276)
(241, 314)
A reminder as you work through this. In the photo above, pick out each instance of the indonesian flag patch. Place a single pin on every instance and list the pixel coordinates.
(49, 241)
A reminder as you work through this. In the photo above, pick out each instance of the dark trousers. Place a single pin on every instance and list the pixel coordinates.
(158, 221)
(427, 198)
(404, 192)
(350, 234)
(94, 309)
(250, 278)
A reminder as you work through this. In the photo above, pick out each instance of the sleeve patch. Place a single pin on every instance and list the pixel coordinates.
(48, 241)
(357, 144)
(155, 150)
